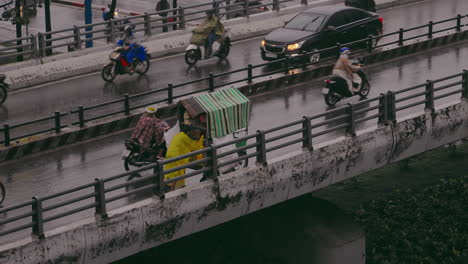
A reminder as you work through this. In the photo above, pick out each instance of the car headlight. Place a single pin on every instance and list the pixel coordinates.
(295, 46)
(263, 43)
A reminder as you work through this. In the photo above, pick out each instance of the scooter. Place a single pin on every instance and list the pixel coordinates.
(336, 87)
(194, 53)
(117, 64)
(3, 89)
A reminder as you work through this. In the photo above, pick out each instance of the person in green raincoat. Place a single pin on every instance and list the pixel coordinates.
(210, 33)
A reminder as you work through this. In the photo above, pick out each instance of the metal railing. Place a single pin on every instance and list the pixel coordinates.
(71, 39)
(97, 195)
(83, 114)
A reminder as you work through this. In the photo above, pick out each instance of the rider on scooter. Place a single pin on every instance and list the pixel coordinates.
(346, 70)
(210, 33)
(130, 44)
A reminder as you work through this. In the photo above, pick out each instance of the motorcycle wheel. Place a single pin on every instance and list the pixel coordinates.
(143, 66)
(128, 161)
(107, 74)
(224, 52)
(2, 193)
(191, 57)
(3, 93)
(364, 92)
(331, 99)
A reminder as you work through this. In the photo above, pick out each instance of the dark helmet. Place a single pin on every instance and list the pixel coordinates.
(210, 12)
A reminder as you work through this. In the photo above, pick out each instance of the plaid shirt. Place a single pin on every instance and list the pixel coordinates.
(150, 129)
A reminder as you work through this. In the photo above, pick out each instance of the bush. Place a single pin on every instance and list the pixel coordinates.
(426, 227)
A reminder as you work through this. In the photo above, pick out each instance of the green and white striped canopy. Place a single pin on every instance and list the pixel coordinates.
(227, 111)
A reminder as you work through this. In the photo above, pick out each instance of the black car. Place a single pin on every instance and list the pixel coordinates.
(320, 28)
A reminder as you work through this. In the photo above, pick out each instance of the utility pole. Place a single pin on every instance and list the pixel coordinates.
(48, 26)
(18, 29)
(89, 20)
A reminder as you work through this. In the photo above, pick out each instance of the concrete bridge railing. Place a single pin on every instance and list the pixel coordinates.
(411, 124)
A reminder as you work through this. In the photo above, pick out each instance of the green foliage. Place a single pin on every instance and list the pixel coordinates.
(430, 226)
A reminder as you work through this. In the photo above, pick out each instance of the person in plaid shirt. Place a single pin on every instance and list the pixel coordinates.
(150, 131)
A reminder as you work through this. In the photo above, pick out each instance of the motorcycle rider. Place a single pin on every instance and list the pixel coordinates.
(130, 44)
(209, 33)
(346, 70)
(149, 131)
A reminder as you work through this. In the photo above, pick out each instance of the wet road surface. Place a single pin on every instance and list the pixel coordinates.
(91, 89)
(80, 164)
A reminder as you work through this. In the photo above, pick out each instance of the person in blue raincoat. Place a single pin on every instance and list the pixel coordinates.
(131, 46)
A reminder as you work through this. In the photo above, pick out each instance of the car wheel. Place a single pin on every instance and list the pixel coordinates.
(313, 58)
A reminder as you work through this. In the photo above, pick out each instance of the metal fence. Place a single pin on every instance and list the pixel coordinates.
(71, 39)
(98, 195)
(83, 114)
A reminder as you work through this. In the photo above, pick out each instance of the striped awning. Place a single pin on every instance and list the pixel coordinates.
(227, 111)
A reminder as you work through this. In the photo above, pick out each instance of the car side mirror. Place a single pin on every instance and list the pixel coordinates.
(331, 28)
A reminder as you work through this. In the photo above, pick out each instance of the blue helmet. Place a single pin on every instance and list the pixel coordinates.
(345, 50)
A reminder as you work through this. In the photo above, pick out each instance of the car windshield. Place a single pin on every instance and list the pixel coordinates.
(306, 22)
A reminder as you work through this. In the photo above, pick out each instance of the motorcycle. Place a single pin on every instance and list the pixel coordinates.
(336, 88)
(3, 89)
(135, 155)
(194, 53)
(117, 62)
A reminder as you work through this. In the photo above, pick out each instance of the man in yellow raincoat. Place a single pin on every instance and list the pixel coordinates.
(210, 32)
(183, 143)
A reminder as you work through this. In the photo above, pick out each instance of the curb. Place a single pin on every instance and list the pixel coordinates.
(119, 122)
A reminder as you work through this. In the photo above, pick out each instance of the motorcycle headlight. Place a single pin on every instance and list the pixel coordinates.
(114, 55)
(295, 46)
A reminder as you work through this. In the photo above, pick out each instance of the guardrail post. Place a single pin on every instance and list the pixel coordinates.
(307, 134)
(37, 219)
(35, 51)
(400, 37)
(216, 8)
(170, 91)
(147, 24)
(127, 104)
(249, 73)
(351, 128)
(41, 44)
(383, 109)
(458, 28)
(181, 18)
(246, 9)
(77, 37)
(158, 180)
(100, 198)
(58, 126)
(174, 14)
(81, 116)
(6, 135)
(111, 26)
(429, 105)
(213, 154)
(276, 5)
(211, 82)
(369, 43)
(391, 104)
(261, 148)
(430, 29)
(338, 48)
(465, 84)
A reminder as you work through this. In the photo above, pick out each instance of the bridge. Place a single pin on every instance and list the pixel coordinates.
(367, 126)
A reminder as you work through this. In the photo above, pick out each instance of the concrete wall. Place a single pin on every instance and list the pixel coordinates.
(152, 222)
(32, 72)
(73, 134)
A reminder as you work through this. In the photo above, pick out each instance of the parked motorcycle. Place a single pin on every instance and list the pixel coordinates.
(194, 53)
(117, 62)
(3, 89)
(336, 87)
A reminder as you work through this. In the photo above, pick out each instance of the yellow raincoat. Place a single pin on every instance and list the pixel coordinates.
(181, 144)
(200, 33)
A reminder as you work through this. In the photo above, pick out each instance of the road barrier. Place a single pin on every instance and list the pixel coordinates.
(71, 39)
(84, 114)
(383, 110)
